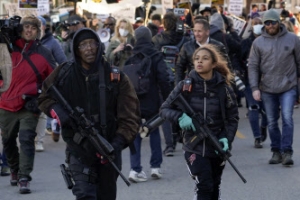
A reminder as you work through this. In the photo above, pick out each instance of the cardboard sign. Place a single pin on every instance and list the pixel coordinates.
(235, 7)
(179, 11)
(238, 24)
(127, 13)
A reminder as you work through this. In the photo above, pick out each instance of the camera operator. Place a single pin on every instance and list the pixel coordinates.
(121, 45)
(19, 114)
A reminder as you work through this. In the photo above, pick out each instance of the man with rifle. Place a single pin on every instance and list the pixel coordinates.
(98, 111)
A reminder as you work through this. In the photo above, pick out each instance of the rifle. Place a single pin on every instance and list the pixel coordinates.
(66, 176)
(202, 131)
(86, 130)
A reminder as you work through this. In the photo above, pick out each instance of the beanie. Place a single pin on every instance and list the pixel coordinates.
(143, 33)
(83, 35)
(217, 20)
(271, 15)
(42, 19)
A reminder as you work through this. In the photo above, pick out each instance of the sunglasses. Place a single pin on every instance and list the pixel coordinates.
(108, 24)
(267, 23)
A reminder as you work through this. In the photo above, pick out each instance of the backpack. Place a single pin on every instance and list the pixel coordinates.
(171, 53)
(138, 69)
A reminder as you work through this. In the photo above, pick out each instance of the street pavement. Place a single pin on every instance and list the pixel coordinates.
(264, 181)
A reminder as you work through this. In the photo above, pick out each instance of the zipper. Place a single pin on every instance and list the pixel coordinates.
(204, 115)
(87, 89)
(23, 50)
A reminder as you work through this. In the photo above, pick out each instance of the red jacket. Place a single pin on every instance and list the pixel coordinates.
(24, 79)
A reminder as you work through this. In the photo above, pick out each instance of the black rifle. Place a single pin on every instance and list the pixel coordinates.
(202, 131)
(86, 130)
(66, 176)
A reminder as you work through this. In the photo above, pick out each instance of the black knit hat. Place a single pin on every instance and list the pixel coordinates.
(143, 33)
(83, 35)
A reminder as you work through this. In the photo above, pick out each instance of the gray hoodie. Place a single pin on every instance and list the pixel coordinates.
(274, 61)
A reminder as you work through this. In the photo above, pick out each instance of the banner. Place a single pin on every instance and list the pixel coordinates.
(127, 12)
(166, 4)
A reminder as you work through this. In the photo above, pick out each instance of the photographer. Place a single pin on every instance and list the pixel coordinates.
(121, 43)
(19, 114)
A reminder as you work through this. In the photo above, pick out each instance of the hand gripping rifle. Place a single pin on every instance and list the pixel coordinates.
(202, 131)
(86, 130)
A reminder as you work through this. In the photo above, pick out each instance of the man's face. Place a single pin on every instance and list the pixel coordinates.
(272, 27)
(29, 32)
(254, 9)
(156, 23)
(109, 23)
(200, 33)
(87, 51)
(206, 14)
(75, 25)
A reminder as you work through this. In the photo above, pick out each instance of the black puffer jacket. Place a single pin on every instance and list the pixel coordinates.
(185, 59)
(245, 51)
(204, 99)
(166, 38)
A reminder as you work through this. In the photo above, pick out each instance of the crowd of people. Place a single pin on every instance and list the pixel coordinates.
(214, 66)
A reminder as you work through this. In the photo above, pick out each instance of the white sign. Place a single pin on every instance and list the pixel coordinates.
(235, 7)
(179, 11)
(238, 24)
(13, 9)
(43, 7)
(166, 4)
(127, 13)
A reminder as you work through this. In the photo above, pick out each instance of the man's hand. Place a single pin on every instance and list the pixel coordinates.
(256, 95)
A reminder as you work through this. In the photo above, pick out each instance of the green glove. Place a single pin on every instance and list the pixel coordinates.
(186, 123)
(224, 142)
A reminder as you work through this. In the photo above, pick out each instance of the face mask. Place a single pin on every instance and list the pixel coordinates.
(123, 32)
(257, 29)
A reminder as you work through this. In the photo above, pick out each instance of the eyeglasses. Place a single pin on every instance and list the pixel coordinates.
(267, 23)
(84, 46)
(74, 23)
(108, 24)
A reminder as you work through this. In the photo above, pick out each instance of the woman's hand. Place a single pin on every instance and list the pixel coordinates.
(119, 48)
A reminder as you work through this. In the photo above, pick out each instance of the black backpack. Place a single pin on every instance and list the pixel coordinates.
(138, 69)
(170, 53)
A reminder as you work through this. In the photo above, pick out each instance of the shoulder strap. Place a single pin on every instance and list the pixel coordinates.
(36, 71)
(222, 90)
(102, 88)
(63, 73)
(180, 43)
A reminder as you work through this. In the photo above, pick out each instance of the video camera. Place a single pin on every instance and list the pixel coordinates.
(10, 30)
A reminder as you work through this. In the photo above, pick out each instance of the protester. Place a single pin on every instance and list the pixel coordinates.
(78, 83)
(274, 62)
(121, 44)
(209, 76)
(19, 114)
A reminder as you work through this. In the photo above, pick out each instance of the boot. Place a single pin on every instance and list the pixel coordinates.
(276, 158)
(257, 143)
(263, 132)
(287, 159)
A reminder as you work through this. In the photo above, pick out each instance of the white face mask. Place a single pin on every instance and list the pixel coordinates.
(257, 29)
(123, 32)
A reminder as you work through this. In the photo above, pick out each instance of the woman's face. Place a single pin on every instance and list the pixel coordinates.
(203, 62)
(123, 25)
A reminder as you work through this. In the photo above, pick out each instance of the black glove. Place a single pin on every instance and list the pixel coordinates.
(118, 142)
(60, 114)
(31, 104)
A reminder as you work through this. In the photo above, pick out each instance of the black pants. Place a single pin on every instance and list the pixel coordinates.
(207, 174)
(106, 186)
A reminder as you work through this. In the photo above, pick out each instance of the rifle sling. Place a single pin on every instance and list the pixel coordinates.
(102, 88)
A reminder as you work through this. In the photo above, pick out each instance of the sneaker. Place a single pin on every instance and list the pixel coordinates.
(287, 159)
(55, 137)
(48, 131)
(14, 178)
(276, 158)
(263, 132)
(39, 147)
(137, 177)
(5, 171)
(24, 186)
(257, 143)
(169, 151)
(156, 173)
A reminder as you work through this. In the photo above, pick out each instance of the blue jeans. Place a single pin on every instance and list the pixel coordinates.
(4, 160)
(273, 104)
(255, 108)
(156, 152)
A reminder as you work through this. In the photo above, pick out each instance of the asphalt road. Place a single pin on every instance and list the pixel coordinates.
(264, 181)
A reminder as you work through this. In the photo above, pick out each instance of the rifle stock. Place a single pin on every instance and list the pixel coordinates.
(202, 131)
(86, 129)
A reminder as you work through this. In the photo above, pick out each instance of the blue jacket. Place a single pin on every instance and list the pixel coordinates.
(53, 45)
